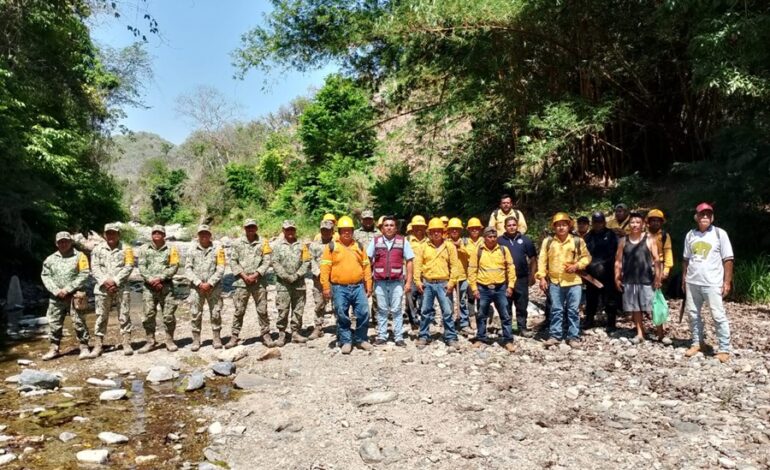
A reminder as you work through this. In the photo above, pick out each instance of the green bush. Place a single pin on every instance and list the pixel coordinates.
(752, 280)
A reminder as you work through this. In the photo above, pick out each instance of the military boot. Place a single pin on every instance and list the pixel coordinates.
(169, 342)
(53, 352)
(148, 346)
(281, 339)
(298, 338)
(127, 349)
(216, 342)
(317, 333)
(85, 353)
(267, 340)
(233, 341)
(196, 345)
(97, 351)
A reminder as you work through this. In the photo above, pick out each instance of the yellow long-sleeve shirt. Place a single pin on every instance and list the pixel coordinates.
(434, 263)
(462, 256)
(335, 237)
(491, 266)
(347, 264)
(552, 261)
(619, 228)
(664, 250)
(497, 220)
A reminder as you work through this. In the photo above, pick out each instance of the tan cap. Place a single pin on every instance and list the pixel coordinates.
(204, 228)
(158, 228)
(490, 231)
(328, 224)
(113, 227)
(288, 223)
(367, 214)
(63, 236)
(250, 222)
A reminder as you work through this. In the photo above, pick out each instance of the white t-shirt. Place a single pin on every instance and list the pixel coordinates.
(706, 253)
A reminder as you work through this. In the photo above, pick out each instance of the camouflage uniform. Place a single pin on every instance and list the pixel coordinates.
(69, 272)
(115, 264)
(160, 263)
(316, 251)
(291, 261)
(205, 265)
(249, 258)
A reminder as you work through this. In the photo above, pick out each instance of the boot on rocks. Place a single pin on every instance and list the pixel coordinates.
(127, 349)
(267, 340)
(281, 339)
(196, 344)
(317, 333)
(148, 346)
(85, 352)
(53, 353)
(233, 341)
(296, 337)
(169, 342)
(97, 351)
(216, 341)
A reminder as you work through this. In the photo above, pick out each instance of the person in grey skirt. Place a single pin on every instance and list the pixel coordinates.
(637, 272)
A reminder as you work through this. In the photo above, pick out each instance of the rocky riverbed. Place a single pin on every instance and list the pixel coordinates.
(607, 404)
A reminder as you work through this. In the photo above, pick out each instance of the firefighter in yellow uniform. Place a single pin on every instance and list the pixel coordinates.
(417, 239)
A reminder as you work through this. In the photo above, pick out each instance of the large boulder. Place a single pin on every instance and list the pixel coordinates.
(39, 378)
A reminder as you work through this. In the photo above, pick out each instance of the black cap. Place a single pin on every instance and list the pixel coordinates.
(597, 217)
(582, 219)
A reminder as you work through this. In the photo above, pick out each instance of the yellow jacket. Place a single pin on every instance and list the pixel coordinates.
(613, 224)
(345, 265)
(664, 250)
(462, 256)
(493, 266)
(497, 220)
(417, 245)
(552, 261)
(437, 263)
(335, 237)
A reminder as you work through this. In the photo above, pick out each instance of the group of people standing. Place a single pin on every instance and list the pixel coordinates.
(620, 261)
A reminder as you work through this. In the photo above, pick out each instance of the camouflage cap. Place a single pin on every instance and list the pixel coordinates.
(367, 214)
(113, 227)
(63, 236)
(204, 228)
(327, 224)
(288, 223)
(158, 228)
(490, 231)
(250, 222)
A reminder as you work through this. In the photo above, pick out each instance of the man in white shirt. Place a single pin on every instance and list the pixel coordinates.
(708, 276)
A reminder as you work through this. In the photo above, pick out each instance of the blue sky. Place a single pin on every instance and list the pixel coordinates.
(192, 49)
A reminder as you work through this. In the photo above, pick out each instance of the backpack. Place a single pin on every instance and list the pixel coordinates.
(517, 212)
(575, 254)
(502, 250)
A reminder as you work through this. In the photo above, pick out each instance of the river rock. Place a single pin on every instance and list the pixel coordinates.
(25, 362)
(194, 381)
(67, 436)
(7, 458)
(112, 438)
(377, 398)
(110, 395)
(106, 383)
(99, 456)
(223, 368)
(234, 354)
(726, 463)
(143, 459)
(39, 378)
(215, 428)
(370, 452)
(269, 353)
(161, 373)
(247, 381)
(13, 379)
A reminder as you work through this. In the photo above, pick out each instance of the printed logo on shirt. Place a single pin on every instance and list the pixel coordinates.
(128, 257)
(701, 249)
(520, 241)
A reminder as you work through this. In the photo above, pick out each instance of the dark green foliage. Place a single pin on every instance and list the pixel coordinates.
(243, 183)
(164, 187)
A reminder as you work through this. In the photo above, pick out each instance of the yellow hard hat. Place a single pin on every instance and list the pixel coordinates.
(345, 222)
(454, 222)
(435, 224)
(408, 228)
(418, 220)
(656, 213)
(330, 217)
(474, 222)
(559, 216)
(444, 219)
(379, 221)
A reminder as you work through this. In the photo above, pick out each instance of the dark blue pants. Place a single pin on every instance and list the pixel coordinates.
(496, 294)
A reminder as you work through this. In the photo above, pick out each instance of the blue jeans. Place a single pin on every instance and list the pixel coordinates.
(696, 297)
(565, 303)
(389, 295)
(489, 295)
(462, 296)
(346, 297)
(437, 291)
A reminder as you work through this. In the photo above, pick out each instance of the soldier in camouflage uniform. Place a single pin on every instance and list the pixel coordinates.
(205, 267)
(291, 261)
(250, 260)
(316, 251)
(111, 265)
(363, 236)
(158, 263)
(65, 272)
